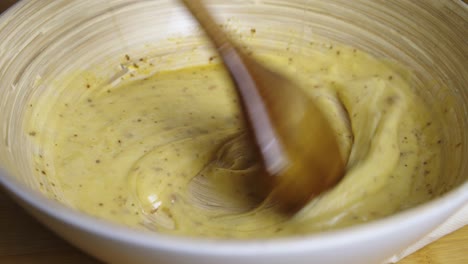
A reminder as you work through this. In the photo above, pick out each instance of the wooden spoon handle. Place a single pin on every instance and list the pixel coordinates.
(241, 68)
(209, 25)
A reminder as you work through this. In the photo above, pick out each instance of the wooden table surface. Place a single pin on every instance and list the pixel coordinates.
(24, 240)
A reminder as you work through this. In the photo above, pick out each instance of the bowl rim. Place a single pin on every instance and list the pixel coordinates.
(447, 203)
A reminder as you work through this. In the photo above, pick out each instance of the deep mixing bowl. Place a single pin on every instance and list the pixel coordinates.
(43, 40)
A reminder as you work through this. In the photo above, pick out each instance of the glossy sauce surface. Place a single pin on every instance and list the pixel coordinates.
(168, 152)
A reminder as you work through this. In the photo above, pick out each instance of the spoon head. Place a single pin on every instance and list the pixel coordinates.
(309, 151)
(315, 163)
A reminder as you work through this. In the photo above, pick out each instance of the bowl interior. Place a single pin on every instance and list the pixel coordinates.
(45, 41)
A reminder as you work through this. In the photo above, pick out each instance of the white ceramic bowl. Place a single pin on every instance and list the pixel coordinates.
(50, 38)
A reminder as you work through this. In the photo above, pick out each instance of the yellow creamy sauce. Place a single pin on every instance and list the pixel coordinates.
(168, 153)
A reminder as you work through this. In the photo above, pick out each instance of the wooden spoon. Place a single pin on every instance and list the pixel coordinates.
(298, 147)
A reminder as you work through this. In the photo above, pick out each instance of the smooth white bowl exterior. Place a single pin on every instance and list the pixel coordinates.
(37, 34)
(371, 243)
